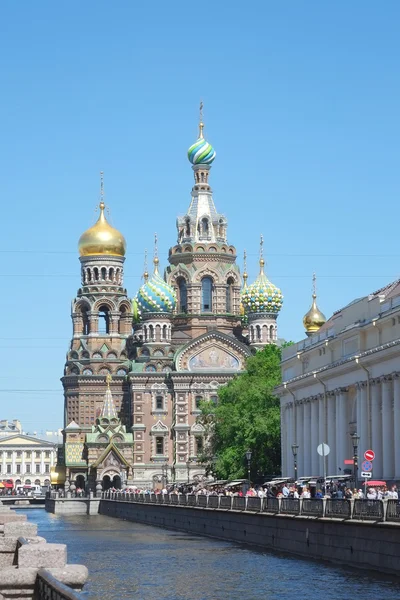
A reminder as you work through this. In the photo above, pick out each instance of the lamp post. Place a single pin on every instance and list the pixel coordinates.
(355, 438)
(188, 470)
(295, 447)
(248, 458)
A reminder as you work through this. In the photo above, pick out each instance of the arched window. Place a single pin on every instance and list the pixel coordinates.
(206, 294)
(85, 321)
(104, 319)
(204, 227)
(188, 227)
(103, 273)
(182, 288)
(229, 295)
(159, 402)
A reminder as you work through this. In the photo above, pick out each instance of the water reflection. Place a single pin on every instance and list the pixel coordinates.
(131, 561)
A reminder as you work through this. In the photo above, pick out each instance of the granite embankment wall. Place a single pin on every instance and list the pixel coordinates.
(352, 543)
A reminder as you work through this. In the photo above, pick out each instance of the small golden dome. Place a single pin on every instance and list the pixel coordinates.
(314, 318)
(102, 238)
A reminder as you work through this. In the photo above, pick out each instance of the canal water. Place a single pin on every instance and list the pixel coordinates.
(132, 561)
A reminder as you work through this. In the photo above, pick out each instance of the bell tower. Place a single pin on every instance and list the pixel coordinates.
(102, 317)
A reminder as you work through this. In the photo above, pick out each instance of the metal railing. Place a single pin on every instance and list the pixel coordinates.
(48, 587)
(368, 509)
(373, 510)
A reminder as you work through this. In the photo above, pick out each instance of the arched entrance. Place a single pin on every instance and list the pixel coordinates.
(106, 482)
(116, 482)
(80, 482)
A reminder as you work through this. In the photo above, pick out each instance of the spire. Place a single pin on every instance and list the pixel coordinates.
(145, 271)
(314, 318)
(108, 411)
(262, 261)
(201, 123)
(155, 259)
(245, 274)
(102, 189)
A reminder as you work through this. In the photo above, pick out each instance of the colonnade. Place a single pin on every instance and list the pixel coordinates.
(371, 408)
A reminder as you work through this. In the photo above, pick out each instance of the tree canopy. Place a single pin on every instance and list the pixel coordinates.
(247, 416)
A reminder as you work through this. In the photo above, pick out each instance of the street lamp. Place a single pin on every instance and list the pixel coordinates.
(295, 447)
(248, 458)
(188, 470)
(355, 438)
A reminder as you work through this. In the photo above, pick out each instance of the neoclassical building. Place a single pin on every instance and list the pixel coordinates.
(344, 378)
(183, 336)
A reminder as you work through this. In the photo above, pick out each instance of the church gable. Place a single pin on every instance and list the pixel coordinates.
(213, 351)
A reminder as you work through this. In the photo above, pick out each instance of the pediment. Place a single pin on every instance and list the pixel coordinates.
(23, 440)
(212, 352)
(159, 426)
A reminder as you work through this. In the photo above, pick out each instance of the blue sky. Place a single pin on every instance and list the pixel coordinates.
(301, 103)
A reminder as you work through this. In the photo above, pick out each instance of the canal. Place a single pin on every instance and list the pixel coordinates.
(132, 561)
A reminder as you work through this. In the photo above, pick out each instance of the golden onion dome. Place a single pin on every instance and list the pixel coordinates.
(314, 318)
(102, 239)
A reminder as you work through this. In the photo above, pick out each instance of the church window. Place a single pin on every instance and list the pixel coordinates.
(204, 227)
(214, 399)
(182, 295)
(96, 274)
(85, 321)
(199, 444)
(229, 295)
(198, 400)
(188, 227)
(104, 319)
(206, 294)
(159, 402)
(103, 273)
(159, 445)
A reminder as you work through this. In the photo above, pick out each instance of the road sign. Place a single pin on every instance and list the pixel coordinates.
(366, 475)
(366, 465)
(323, 449)
(369, 455)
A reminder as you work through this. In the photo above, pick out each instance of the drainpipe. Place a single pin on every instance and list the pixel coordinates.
(368, 399)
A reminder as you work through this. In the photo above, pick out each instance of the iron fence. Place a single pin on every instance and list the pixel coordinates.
(254, 504)
(313, 507)
(393, 510)
(377, 510)
(336, 507)
(48, 587)
(290, 506)
(368, 509)
(271, 505)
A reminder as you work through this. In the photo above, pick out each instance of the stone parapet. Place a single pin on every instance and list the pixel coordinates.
(30, 567)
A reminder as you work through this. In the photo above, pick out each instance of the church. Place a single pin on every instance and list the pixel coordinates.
(137, 370)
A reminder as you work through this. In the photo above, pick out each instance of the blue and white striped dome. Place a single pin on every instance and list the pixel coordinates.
(155, 295)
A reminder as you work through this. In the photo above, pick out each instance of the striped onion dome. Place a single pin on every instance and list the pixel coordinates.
(201, 152)
(155, 295)
(262, 296)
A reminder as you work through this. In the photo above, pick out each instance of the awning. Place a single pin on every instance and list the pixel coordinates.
(374, 483)
(234, 483)
(2, 485)
(8, 484)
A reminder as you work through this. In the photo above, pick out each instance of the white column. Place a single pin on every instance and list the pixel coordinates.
(314, 437)
(321, 432)
(299, 435)
(341, 428)
(332, 467)
(284, 436)
(396, 424)
(306, 437)
(387, 429)
(376, 426)
(288, 469)
(362, 418)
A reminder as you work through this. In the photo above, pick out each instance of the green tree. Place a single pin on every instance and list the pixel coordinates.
(247, 416)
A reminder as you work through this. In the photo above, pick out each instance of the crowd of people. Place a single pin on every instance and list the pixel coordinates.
(285, 490)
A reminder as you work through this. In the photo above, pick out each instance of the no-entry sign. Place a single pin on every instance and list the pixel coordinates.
(369, 455)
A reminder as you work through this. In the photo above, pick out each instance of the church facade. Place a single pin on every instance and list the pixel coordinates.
(137, 371)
